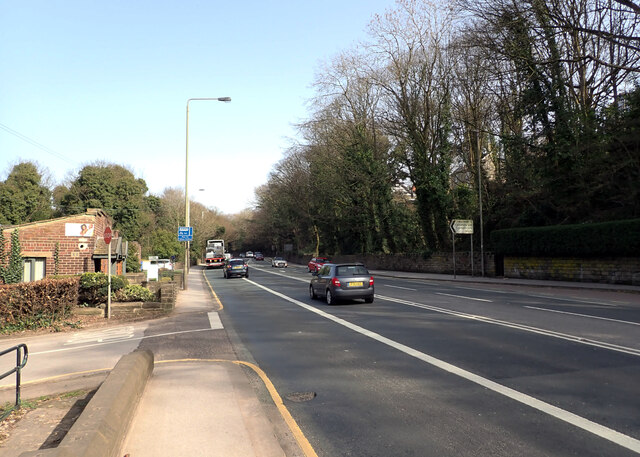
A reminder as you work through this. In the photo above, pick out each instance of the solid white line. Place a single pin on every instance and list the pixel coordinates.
(462, 296)
(214, 321)
(583, 315)
(566, 416)
(399, 287)
(139, 338)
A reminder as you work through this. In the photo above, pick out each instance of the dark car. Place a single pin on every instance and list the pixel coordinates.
(258, 256)
(343, 281)
(236, 267)
(316, 262)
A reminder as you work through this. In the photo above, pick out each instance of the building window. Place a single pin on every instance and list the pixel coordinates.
(33, 269)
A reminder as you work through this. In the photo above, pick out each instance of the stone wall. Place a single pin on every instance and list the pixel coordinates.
(611, 270)
(440, 262)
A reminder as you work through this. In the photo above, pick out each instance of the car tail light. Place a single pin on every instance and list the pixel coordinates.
(336, 282)
(371, 281)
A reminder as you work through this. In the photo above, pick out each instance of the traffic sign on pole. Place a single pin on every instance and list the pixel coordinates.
(185, 233)
(462, 226)
(107, 235)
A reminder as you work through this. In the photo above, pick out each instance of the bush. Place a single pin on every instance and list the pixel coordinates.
(38, 303)
(134, 292)
(94, 287)
(617, 238)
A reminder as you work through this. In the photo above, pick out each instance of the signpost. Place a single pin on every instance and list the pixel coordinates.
(107, 239)
(461, 227)
(185, 233)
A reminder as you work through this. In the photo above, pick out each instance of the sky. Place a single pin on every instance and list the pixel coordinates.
(83, 81)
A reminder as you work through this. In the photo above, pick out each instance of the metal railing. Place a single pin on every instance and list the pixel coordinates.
(22, 354)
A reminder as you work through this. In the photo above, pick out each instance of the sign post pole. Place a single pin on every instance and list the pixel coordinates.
(107, 239)
(461, 227)
(453, 237)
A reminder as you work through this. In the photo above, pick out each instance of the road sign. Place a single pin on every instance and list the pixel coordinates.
(461, 226)
(185, 233)
(107, 235)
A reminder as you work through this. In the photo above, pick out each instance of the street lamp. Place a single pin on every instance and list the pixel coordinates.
(186, 185)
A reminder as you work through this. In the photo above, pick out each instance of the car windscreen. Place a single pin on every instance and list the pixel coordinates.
(351, 270)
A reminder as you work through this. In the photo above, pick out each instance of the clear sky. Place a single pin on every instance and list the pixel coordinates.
(85, 80)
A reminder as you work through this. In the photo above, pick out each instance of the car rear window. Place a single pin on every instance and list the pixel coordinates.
(351, 270)
(236, 262)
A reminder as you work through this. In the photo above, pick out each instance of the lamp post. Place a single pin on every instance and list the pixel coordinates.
(186, 185)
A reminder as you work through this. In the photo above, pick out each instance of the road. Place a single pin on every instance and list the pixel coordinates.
(441, 369)
(431, 368)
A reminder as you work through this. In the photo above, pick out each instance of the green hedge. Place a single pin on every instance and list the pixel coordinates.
(617, 238)
(47, 300)
(94, 287)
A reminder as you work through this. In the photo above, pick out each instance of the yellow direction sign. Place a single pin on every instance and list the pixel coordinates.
(461, 226)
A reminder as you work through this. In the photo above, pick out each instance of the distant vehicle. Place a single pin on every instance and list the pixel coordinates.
(258, 256)
(236, 267)
(343, 281)
(316, 262)
(165, 263)
(214, 255)
(279, 262)
(249, 254)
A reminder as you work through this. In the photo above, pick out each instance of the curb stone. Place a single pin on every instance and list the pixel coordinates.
(102, 426)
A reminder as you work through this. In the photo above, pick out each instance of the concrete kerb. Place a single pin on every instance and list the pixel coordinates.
(102, 426)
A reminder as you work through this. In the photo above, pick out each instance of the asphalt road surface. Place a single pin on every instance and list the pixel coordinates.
(441, 369)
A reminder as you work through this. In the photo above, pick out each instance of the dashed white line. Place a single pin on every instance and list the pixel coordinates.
(399, 287)
(466, 298)
(583, 315)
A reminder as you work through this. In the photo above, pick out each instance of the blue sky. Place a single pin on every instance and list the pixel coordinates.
(109, 80)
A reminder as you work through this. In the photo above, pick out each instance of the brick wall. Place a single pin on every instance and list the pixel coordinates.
(39, 239)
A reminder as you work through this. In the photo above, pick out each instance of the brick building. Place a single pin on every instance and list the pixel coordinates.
(68, 245)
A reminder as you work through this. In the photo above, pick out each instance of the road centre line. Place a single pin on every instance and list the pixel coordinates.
(566, 416)
(466, 298)
(583, 315)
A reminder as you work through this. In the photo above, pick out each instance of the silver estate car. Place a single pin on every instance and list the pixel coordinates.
(342, 281)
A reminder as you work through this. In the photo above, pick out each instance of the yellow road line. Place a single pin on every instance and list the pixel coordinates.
(284, 412)
(215, 297)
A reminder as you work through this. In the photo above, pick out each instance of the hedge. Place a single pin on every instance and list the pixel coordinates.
(51, 299)
(606, 239)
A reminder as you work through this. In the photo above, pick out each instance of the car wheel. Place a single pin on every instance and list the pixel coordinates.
(312, 293)
(330, 299)
(368, 300)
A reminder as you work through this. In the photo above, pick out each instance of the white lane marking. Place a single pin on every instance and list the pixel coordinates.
(583, 315)
(139, 338)
(526, 328)
(214, 321)
(566, 416)
(523, 327)
(466, 298)
(399, 287)
(100, 336)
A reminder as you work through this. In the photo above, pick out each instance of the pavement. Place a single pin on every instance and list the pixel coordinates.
(146, 407)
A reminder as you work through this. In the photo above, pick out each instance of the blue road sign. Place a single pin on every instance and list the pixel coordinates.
(185, 233)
